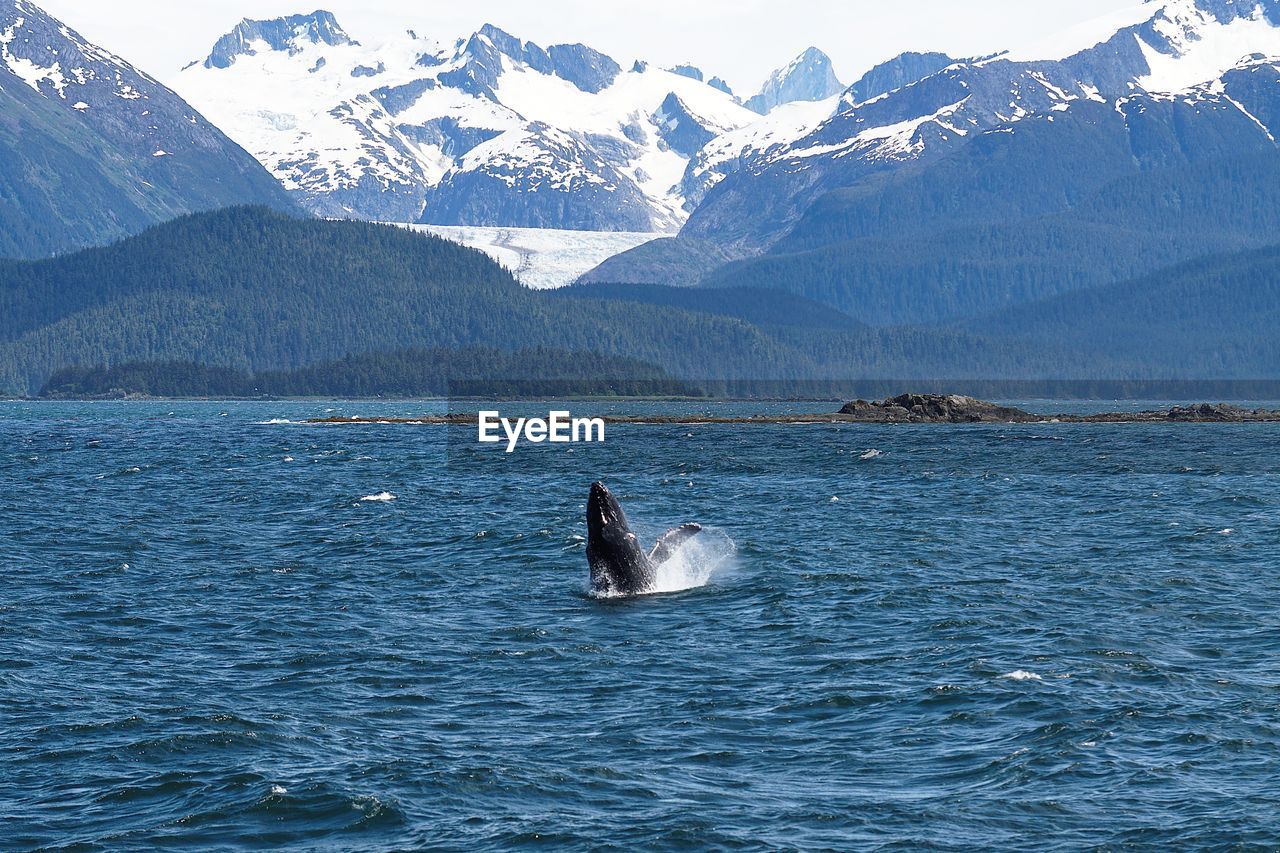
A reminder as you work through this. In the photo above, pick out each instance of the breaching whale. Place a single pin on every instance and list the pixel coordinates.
(619, 566)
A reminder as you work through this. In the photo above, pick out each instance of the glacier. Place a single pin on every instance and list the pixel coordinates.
(542, 258)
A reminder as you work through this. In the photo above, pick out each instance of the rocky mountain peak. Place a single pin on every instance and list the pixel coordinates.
(809, 77)
(588, 69)
(289, 34)
(693, 72)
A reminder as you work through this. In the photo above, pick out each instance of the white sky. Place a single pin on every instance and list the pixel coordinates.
(740, 40)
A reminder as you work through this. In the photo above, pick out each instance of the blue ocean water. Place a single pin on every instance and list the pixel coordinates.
(1046, 636)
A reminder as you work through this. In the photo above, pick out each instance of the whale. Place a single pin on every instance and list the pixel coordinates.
(619, 565)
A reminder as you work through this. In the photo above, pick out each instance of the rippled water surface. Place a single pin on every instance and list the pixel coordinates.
(1032, 636)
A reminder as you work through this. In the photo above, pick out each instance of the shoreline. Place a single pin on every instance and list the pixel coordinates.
(458, 420)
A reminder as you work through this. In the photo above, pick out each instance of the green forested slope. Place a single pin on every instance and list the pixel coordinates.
(1212, 317)
(249, 288)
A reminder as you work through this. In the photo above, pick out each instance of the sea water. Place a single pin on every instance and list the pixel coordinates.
(224, 628)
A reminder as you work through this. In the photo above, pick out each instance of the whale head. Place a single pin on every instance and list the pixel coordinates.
(619, 566)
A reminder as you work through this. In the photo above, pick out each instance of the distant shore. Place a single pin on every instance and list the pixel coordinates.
(905, 409)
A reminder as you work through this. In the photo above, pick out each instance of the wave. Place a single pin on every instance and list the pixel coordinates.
(1022, 675)
(380, 497)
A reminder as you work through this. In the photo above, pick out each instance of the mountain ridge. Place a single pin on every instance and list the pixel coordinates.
(1169, 42)
(94, 149)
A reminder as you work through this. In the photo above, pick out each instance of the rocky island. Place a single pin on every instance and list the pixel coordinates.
(954, 409)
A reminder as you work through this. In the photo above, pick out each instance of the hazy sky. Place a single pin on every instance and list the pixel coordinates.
(741, 40)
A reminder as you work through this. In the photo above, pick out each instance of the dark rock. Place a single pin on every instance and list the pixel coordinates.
(503, 41)
(1201, 413)
(454, 138)
(683, 131)
(1208, 412)
(589, 70)
(935, 409)
(938, 409)
(397, 99)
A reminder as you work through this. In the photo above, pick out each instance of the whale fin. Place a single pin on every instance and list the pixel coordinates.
(671, 541)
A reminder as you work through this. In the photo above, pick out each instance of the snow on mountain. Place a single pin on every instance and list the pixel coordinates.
(1183, 42)
(736, 149)
(94, 149)
(488, 130)
(57, 62)
(1188, 45)
(809, 77)
(1161, 46)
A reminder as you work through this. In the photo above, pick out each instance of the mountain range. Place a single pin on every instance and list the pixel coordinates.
(489, 130)
(1103, 203)
(895, 179)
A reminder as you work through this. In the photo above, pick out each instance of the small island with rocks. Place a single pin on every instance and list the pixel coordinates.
(904, 409)
(938, 409)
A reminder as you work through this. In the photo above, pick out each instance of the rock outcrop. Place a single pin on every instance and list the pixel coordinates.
(954, 409)
(935, 409)
(1201, 413)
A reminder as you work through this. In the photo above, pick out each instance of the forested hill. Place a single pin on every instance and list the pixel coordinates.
(1213, 316)
(253, 289)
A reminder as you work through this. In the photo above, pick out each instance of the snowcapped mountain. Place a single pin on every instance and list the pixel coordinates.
(486, 131)
(92, 149)
(1161, 47)
(809, 77)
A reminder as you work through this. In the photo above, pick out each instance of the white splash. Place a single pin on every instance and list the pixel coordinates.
(871, 454)
(380, 497)
(1022, 675)
(273, 422)
(695, 563)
